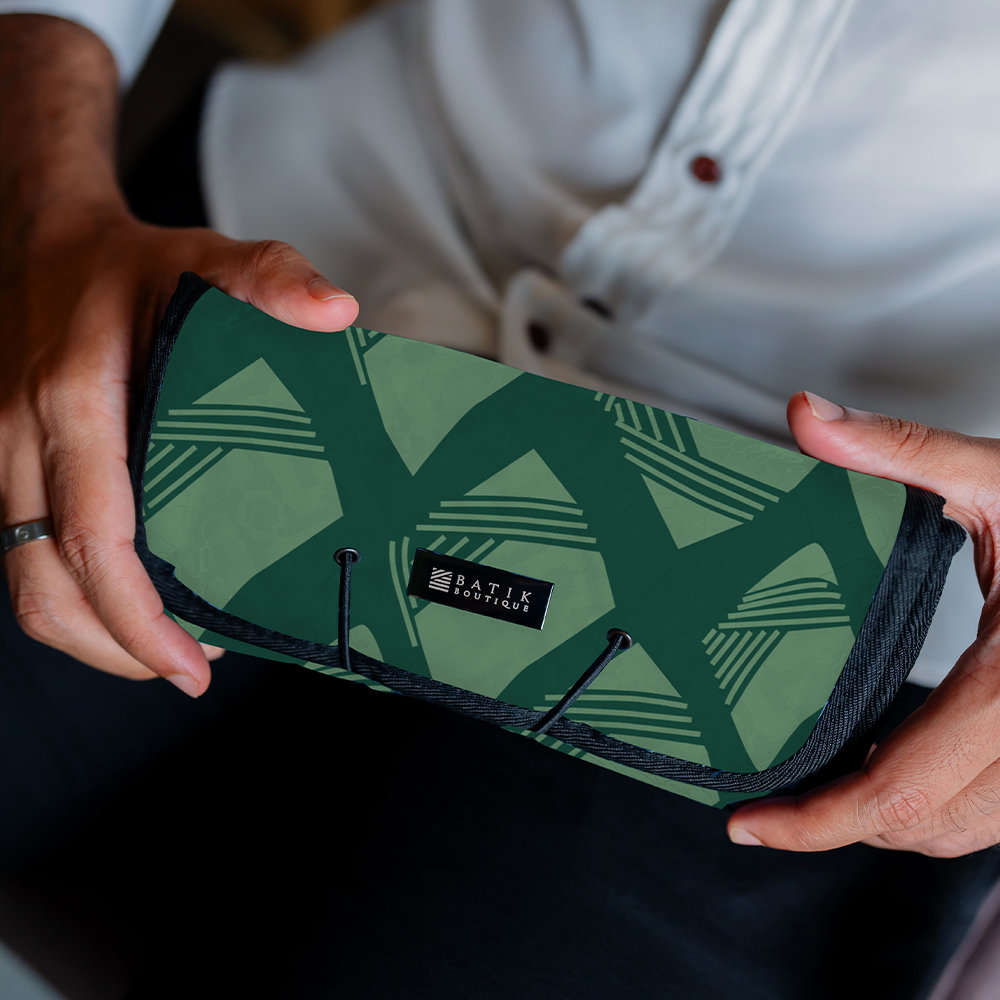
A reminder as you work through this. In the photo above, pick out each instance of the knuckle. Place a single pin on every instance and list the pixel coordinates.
(900, 808)
(905, 436)
(34, 620)
(77, 413)
(38, 617)
(91, 562)
(268, 256)
(84, 554)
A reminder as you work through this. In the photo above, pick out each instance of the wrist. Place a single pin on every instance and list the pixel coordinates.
(62, 219)
(58, 107)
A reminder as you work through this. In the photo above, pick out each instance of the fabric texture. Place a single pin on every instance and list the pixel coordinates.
(878, 663)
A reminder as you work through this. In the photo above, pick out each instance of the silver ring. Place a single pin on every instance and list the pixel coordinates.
(21, 534)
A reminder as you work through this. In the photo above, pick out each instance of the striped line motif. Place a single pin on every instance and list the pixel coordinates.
(549, 741)
(360, 341)
(440, 580)
(739, 645)
(348, 675)
(474, 520)
(191, 440)
(630, 715)
(653, 444)
(399, 561)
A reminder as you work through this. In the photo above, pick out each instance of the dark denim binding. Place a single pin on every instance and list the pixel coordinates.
(884, 652)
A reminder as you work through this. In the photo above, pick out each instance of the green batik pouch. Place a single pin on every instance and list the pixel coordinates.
(682, 604)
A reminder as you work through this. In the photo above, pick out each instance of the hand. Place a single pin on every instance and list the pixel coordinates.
(82, 285)
(933, 785)
(76, 318)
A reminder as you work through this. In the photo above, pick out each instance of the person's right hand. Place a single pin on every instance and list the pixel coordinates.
(79, 298)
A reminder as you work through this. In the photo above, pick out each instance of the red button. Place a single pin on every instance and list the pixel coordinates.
(705, 169)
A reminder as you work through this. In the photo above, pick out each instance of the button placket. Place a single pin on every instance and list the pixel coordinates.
(757, 73)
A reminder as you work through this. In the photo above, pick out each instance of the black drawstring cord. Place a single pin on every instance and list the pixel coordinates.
(345, 557)
(617, 640)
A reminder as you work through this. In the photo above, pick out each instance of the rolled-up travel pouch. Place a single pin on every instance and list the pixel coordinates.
(693, 608)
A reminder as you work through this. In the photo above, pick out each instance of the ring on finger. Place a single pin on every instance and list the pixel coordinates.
(21, 534)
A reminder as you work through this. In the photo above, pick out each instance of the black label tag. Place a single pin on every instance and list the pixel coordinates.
(483, 590)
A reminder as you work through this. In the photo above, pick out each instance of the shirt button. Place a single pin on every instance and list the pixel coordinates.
(705, 169)
(602, 309)
(539, 336)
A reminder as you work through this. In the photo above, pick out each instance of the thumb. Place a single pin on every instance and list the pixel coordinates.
(277, 279)
(948, 463)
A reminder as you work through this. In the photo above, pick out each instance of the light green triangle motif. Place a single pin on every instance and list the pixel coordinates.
(687, 521)
(810, 561)
(880, 505)
(255, 385)
(529, 476)
(767, 463)
(247, 511)
(634, 670)
(423, 391)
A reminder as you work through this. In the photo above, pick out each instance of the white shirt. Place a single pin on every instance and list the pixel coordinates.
(128, 27)
(468, 167)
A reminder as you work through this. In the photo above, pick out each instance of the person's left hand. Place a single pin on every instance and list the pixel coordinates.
(933, 785)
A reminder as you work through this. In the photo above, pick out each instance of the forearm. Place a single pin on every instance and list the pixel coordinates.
(58, 110)
(81, 282)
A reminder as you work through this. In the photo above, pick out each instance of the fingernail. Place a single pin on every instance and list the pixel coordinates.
(823, 409)
(211, 652)
(185, 683)
(740, 836)
(320, 288)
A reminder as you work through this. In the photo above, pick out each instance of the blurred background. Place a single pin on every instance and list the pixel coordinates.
(200, 34)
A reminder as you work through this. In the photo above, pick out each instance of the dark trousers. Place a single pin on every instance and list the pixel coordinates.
(293, 835)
